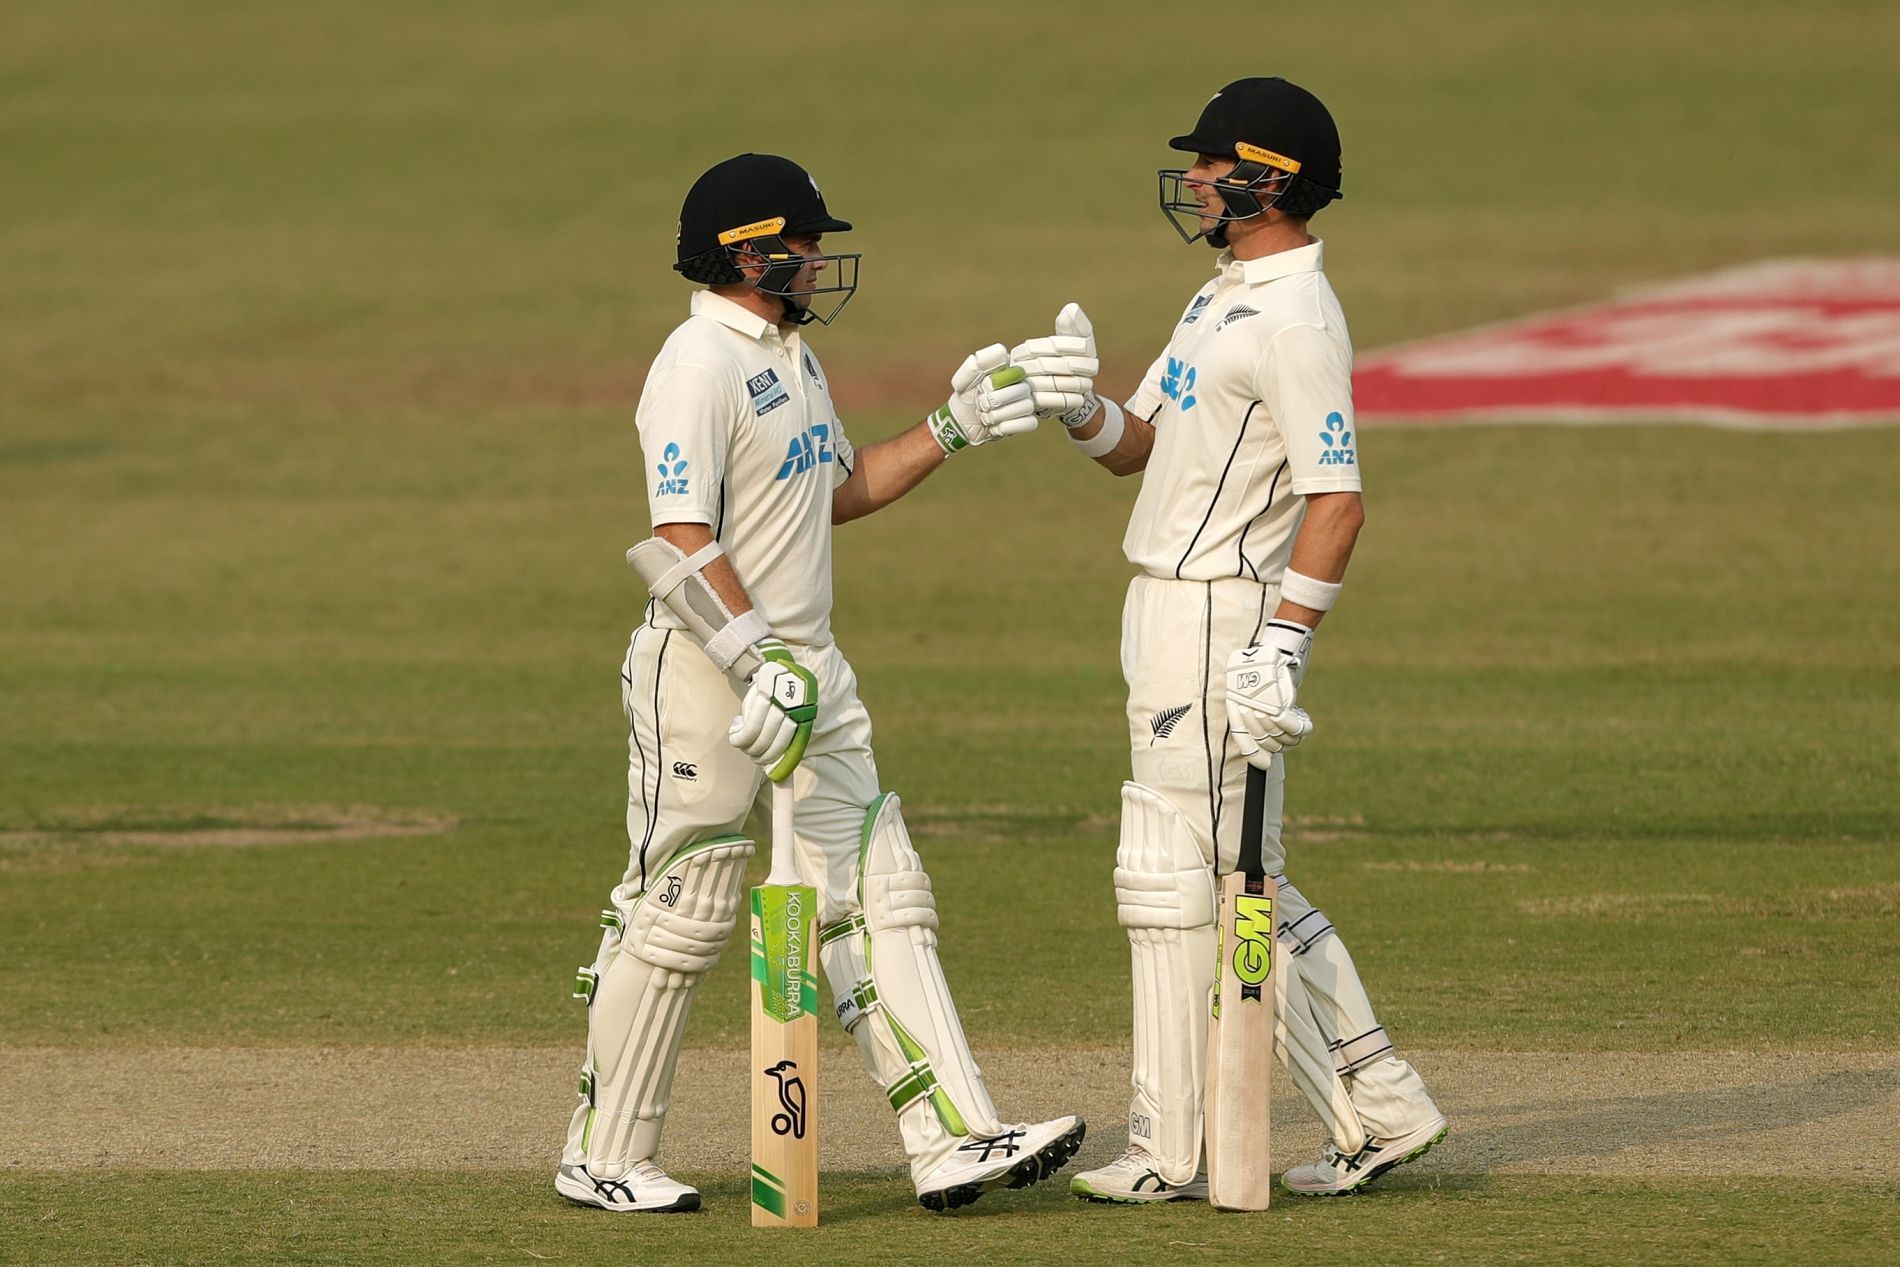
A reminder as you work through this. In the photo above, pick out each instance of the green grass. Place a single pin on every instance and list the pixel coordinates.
(304, 1218)
(319, 339)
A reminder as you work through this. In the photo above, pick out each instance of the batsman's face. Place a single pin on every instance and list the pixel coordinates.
(808, 246)
(1199, 179)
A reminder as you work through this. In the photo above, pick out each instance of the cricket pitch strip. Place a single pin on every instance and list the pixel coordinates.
(1595, 1113)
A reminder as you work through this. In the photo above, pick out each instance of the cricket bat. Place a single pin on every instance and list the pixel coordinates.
(784, 1036)
(784, 957)
(1238, 1112)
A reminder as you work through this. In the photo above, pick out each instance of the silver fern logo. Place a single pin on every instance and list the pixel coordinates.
(1164, 722)
(1239, 312)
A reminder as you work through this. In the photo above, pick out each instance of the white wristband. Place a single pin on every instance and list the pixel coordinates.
(1309, 592)
(1110, 435)
(725, 647)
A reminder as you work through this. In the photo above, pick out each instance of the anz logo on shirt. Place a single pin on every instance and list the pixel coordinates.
(1178, 384)
(807, 451)
(1338, 441)
(767, 392)
(673, 480)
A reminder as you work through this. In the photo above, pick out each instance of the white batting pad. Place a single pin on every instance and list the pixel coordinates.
(892, 997)
(643, 983)
(1307, 1055)
(1164, 895)
(1386, 1093)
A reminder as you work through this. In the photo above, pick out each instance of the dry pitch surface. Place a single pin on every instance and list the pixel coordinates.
(1689, 1113)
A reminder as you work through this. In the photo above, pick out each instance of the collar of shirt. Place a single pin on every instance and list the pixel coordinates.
(1258, 272)
(735, 317)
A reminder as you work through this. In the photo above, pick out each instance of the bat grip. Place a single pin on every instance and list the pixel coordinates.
(784, 857)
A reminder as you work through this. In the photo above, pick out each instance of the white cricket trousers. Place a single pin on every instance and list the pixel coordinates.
(685, 782)
(1176, 637)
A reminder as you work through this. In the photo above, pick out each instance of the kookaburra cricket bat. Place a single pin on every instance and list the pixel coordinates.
(1239, 1104)
(784, 957)
(784, 1036)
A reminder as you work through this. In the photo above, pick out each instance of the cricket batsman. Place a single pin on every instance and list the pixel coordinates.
(1243, 433)
(747, 469)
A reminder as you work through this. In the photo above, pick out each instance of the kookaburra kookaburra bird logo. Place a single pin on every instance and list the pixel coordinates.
(790, 1120)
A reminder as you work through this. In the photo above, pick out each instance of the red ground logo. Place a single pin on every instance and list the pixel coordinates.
(1784, 343)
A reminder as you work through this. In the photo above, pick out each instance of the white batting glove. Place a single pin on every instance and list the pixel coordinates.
(775, 717)
(1062, 368)
(989, 400)
(1263, 681)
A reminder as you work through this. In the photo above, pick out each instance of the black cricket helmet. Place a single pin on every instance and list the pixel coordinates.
(1286, 148)
(737, 216)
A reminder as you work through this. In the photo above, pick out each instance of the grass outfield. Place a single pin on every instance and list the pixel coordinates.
(396, 1220)
(319, 338)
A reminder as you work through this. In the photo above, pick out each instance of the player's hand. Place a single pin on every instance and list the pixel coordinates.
(1061, 369)
(989, 400)
(1263, 683)
(776, 715)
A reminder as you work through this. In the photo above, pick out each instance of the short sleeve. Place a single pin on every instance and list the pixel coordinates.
(1306, 377)
(844, 458)
(1148, 396)
(685, 422)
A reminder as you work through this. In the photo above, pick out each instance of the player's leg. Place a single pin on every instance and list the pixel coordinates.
(1164, 889)
(672, 915)
(879, 951)
(1186, 795)
(1164, 893)
(1389, 1100)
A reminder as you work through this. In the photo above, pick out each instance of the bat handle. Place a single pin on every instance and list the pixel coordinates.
(784, 857)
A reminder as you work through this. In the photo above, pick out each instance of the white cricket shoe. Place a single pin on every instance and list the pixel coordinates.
(1335, 1173)
(1131, 1179)
(644, 1189)
(1018, 1157)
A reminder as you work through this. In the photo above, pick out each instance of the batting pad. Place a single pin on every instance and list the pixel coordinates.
(1386, 1093)
(644, 979)
(1164, 895)
(892, 996)
(1308, 1056)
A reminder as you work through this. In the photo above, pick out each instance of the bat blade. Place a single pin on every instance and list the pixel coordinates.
(784, 1056)
(1238, 1109)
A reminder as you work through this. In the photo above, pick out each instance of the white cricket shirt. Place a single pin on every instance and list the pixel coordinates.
(1252, 408)
(739, 433)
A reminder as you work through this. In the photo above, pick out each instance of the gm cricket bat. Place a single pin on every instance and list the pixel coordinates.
(785, 1036)
(1239, 1104)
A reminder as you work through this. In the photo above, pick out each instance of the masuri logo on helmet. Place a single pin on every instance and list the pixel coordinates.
(736, 218)
(1298, 173)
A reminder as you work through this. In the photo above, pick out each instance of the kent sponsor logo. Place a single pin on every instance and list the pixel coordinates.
(808, 449)
(673, 478)
(767, 392)
(1177, 384)
(1338, 441)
